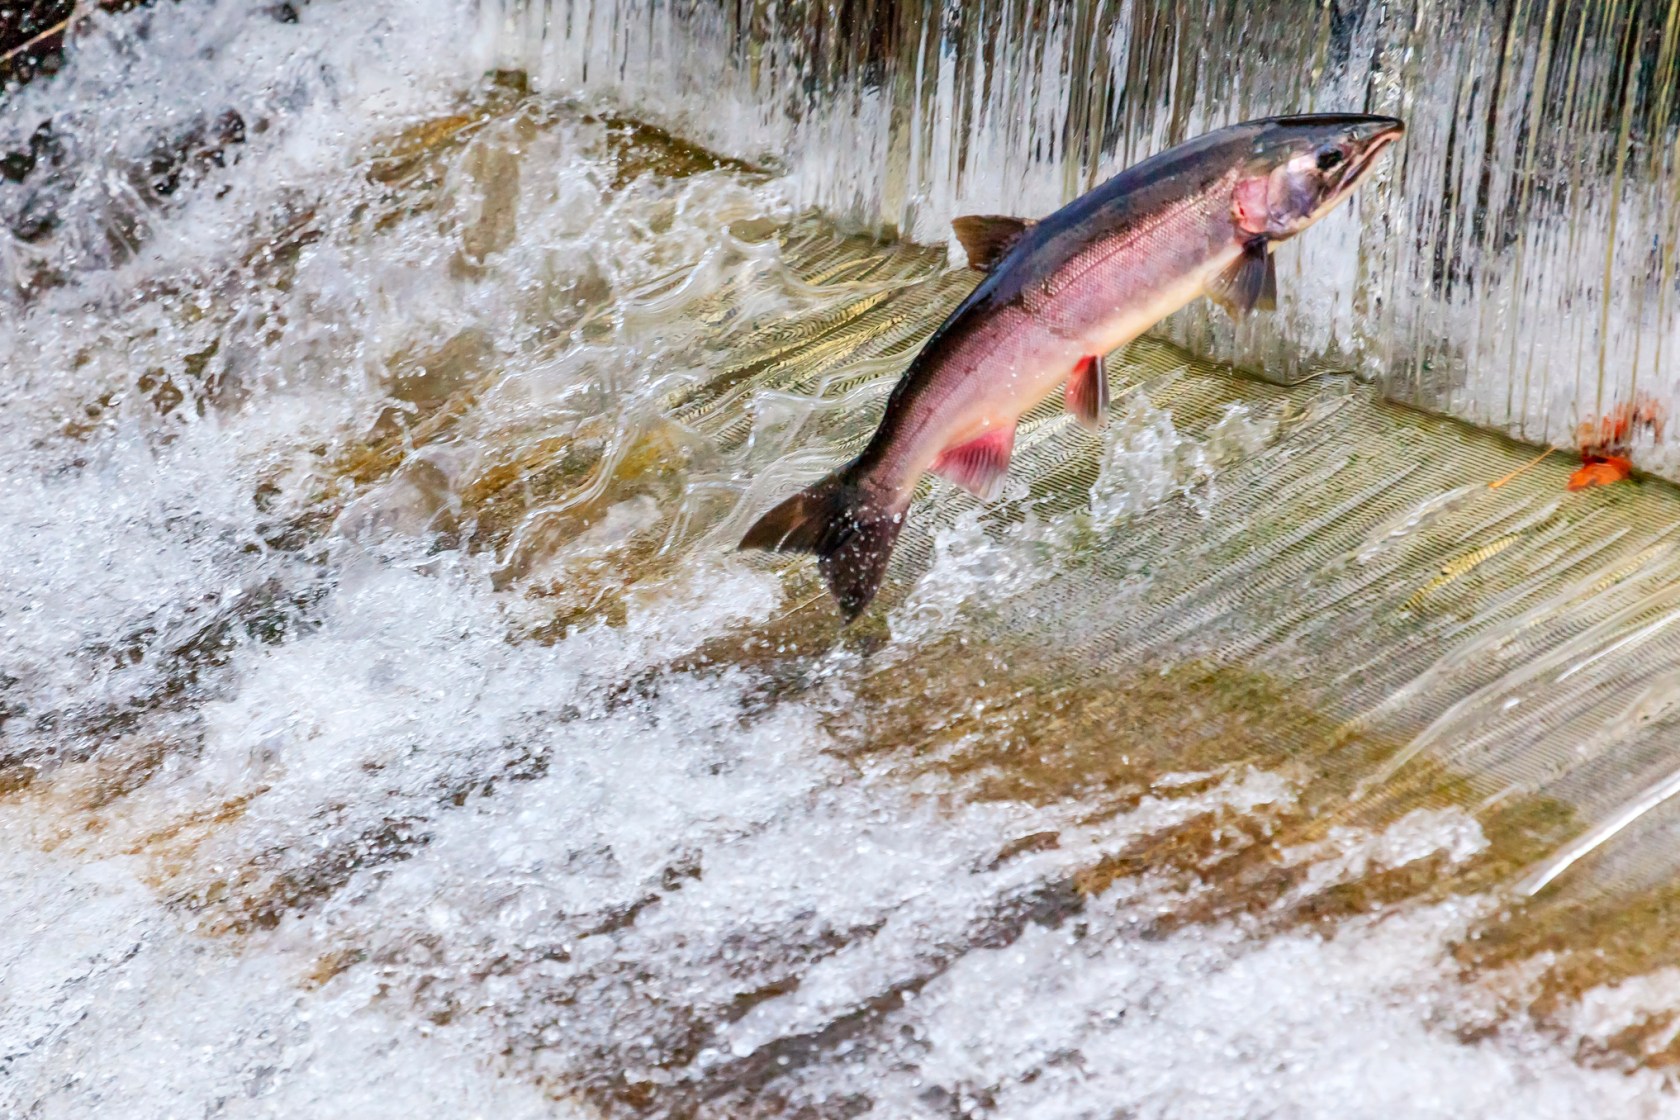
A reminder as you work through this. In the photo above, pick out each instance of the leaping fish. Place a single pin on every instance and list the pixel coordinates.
(1058, 295)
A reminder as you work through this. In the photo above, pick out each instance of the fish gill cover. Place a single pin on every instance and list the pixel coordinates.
(389, 729)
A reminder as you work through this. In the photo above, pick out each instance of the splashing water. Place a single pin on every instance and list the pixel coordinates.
(1514, 265)
(1146, 460)
(389, 729)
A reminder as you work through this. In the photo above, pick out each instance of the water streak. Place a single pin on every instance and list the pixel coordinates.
(1514, 265)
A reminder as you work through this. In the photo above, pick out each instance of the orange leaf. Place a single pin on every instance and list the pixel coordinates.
(1600, 472)
(1611, 436)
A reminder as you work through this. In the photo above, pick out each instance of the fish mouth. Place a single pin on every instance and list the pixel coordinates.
(1380, 137)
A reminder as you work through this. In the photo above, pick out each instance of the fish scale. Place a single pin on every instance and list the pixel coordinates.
(1058, 295)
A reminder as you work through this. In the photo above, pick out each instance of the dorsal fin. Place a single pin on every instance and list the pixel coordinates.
(987, 237)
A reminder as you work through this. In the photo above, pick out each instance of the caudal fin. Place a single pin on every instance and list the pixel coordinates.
(851, 533)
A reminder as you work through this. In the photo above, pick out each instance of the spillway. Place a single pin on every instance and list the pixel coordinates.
(389, 727)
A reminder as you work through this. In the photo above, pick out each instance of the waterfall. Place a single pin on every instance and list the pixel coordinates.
(391, 727)
(1514, 266)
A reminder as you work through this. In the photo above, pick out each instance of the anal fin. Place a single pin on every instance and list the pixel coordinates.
(1249, 284)
(1087, 392)
(979, 465)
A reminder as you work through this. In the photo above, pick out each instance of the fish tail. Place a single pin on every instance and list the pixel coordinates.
(845, 525)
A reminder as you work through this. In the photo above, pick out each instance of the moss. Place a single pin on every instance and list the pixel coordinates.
(638, 148)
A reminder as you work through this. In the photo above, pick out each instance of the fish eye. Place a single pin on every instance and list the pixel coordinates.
(1329, 159)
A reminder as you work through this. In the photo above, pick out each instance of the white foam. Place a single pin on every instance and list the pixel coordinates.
(109, 1008)
(1209, 1023)
(382, 854)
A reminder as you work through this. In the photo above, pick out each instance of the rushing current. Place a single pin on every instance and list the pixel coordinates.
(388, 727)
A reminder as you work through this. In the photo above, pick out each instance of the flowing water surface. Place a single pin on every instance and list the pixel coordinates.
(390, 729)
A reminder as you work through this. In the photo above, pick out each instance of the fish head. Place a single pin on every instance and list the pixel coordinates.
(1300, 168)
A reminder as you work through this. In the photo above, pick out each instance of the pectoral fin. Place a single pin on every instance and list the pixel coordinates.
(1250, 284)
(1087, 392)
(979, 465)
(987, 237)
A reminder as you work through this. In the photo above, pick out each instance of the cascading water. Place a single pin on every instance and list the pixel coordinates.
(390, 729)
(1516, 268)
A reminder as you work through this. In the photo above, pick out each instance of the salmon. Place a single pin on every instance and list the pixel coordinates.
(1057, 296)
